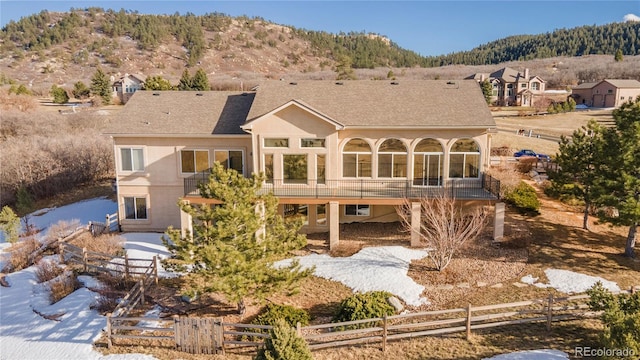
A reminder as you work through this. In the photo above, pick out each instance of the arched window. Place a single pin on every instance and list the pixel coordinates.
(464, 159)
(392, 159)
(427, 163)
(356, 159)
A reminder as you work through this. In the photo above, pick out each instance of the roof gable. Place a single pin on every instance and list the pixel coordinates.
(623, 83)
(295, 103)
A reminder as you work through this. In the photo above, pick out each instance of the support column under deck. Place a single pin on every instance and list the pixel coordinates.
(334, 224)
(415, 224)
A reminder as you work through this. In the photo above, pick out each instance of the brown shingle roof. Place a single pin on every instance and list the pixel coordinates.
(183, 112)
(405, 103)
(624, 83)
(587, 85)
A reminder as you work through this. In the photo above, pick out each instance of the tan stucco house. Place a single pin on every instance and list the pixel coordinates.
(606, 93)
(124, 87)
(511, 87)
(333, 152)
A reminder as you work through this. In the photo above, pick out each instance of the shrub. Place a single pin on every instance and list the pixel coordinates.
(362, 306)
(9, 224)
(62, 286)
(21, 255)
(621, 319)
(273, 312)
(47, 270)
(527, 164)
(62, 229)
(524, 198)
(105, 243)
(284, 344)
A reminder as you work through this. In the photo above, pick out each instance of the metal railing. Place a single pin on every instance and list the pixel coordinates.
(484, 187)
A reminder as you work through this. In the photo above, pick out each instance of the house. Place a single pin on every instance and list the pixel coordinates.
(511, 87)
(126, 85)
(606, 93)
(333, 152)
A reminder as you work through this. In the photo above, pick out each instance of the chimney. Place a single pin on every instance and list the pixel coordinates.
(526, 74)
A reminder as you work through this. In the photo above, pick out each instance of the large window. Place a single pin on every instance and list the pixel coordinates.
(509, 89)
(230, 159)
(356, 159)
(194, 161)
(320, 168)
(392, 159)
(268, 167)
(294, 169)
(464, 159)
(427, 163)
(132, 159)
(535, 86)
(312, 142)
(321, 214)
(135, 208)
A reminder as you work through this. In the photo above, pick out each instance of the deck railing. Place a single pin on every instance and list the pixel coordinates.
(484, 187)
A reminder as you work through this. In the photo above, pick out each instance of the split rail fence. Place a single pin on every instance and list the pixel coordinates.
(214, 336)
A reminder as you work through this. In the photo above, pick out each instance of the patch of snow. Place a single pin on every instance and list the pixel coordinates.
(570, 282)
(545, 354)
(374, 268)
(145, 246)
(581, 106)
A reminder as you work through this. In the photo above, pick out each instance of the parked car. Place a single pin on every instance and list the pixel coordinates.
(524, 153)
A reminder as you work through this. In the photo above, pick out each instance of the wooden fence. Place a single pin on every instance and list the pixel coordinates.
(111, 224)
(214, 336)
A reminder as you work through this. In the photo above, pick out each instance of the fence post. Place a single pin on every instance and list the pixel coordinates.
(632, 290)
(384, 332)
(155, 269)
(468, 321)
(126, 266)
(84, 259)
(176, 331)
(109, 344)
(61, 251)
(142, 292)
(549, 312)
(107, 224)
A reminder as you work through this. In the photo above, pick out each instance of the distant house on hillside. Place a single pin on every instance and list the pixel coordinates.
(126, 85)
(606, 93)
(511, 87)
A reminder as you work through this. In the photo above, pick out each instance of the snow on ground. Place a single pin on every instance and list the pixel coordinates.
(570, 282)
(146, 246)
(545, 354)
(373, 268)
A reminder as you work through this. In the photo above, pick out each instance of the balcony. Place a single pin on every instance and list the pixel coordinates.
(484, 187)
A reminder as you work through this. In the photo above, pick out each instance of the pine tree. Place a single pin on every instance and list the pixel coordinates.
(284, 344)
(618, 57)
(80, 90)
(157, 83)
(622, 174)
(10, 224)
(580, 163)
(200, 82)
(185, 81)
(344, 70)
(487, 90)
(59, 95)
(100, 86)
(234, 244)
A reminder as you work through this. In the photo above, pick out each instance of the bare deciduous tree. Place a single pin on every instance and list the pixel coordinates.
(444, 226)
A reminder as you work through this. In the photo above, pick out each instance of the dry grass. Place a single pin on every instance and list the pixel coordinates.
(20, 254)
(47, 270)
(110, 244)
(62, 286)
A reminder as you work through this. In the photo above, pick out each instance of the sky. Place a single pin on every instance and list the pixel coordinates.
(427, 27)
(26, 335)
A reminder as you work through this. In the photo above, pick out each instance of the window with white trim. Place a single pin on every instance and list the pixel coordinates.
(312, 143)
(356, 159)
(535, 86)
(427, 163)
(268, 168)
(230, 159)
(135, 208)
(392, 159)
(276, 142)
(132, 159)
(194, 161)
(357, 210)
(294, 168)
(464, 159)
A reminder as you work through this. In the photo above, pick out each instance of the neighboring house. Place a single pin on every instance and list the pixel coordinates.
(333, 152)
(512, 88)
(606, 93)
(125, 86)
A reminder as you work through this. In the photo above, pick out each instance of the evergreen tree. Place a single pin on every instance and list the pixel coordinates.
(487, 90)
(80, 90)
(185, 81)
(157, 83)
(618, 57)
(580, 161)
(200, 82)
(100, 86)
(235, 243)
(59, 95)
(343, 69)
(284, 343)
(10, 224)
(622, 173)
